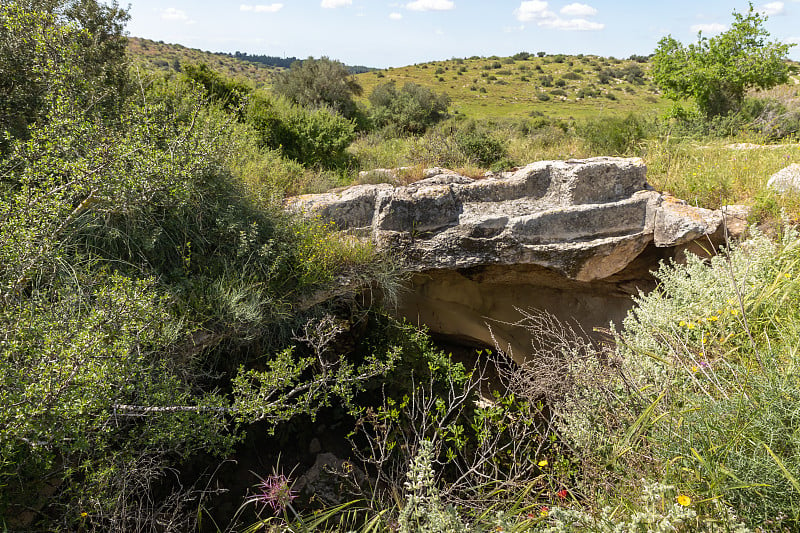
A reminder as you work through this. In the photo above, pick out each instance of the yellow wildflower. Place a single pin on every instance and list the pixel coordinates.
(695, 369)
(690, 325)
(734, 312)
(684, 500)
(543, 463)
(682, 323)
(84, 514)
(713, 318)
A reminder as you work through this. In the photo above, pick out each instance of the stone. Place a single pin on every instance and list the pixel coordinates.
(786, 180)
(678, 223)
(331, 480)
(736, 220)
(575, 237)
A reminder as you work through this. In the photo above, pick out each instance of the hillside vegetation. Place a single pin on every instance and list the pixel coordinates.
(163, 57)
(559, 86)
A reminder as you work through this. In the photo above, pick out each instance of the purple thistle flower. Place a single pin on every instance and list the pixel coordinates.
(276, 491)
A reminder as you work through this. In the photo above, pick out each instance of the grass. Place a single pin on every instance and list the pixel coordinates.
(713, 174)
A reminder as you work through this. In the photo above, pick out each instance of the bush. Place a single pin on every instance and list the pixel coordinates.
(319, 83)
(613, 135)
(140, 281)
(312, 137)
(689, 347)
(412, 109)
(479, 145)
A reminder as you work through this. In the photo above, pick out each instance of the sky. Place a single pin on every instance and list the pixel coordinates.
(379, 33)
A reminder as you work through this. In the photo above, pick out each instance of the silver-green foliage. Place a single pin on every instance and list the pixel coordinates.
(703, 389)
(424, 511)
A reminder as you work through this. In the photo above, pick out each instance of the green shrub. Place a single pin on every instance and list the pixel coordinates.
(705, 396)
(319, 83)
(614, 135)
(312, 137)
(412, 109)
(479, 145)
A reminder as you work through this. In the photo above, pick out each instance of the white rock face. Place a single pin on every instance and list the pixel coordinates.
(584, 219)
(786, 180)
(576, 238)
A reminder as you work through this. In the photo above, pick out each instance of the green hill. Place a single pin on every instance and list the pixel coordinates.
(559, 86)
(157, 55)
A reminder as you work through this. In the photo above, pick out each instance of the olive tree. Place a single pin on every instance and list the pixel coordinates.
(319, 82)
(717, 72)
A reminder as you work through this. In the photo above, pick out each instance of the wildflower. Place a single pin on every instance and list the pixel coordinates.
(562, 494)
(684, 500)
(735, 312)
(690, 325)
(682, 323)
(787, 275)
(545, 509)
(543, 463)
(713, 318)
(276, 492)
(695, 369)
(84, 514)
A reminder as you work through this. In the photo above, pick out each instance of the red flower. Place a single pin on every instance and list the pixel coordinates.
(562, 494)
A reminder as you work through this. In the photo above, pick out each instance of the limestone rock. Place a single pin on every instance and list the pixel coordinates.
(786, 179)
(679, 223)
(584, 219)
(736, 219)
(575, 237)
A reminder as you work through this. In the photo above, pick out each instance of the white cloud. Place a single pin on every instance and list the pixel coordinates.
(539, 12)
(713, 27)
(572, 24)
(773, 8)
(332, 4)
(261, 8)
(431, 5)
(171, 13)
(395, 16)
(533, 10)
(578, 10)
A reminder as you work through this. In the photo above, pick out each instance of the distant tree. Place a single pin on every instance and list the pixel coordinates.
(716, 72)
(411, 109)
(319, 83)
(225, 91)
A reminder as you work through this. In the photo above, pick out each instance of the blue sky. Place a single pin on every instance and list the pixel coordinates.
(382, 33)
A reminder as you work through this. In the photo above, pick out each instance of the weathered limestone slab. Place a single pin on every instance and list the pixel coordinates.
(585, 219)
(575, 237)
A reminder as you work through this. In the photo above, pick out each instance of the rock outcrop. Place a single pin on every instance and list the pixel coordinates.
(574, 237)
(786, 180)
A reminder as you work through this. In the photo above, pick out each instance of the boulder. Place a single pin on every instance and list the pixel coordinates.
(584, 219)
(575, 237)
(786, 180)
